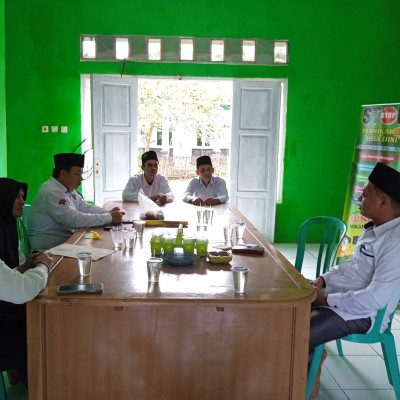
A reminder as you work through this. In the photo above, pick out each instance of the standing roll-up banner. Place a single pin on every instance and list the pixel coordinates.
(378, 140)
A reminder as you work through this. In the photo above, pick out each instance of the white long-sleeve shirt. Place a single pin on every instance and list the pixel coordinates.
(370, 279)
(215, 189)
(56, 213)
(135, 183)
(19, 288)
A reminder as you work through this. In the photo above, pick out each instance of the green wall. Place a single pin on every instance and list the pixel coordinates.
(3, 139)
(342, 55)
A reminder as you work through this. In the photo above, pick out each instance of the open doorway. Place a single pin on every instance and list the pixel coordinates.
(240, 123)
(182, 120)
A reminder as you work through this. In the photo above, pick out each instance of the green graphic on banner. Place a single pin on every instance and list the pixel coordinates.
(378, 140)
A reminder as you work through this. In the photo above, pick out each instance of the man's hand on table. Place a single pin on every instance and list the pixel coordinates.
(211, 201)
(160, 198)
(116, 215)
(197, 202)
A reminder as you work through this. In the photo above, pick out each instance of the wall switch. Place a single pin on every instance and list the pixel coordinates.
(64, 129)
(45, 128)
(54, 129)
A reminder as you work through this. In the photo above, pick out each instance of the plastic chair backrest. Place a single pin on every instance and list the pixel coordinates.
(3, 393)
(333, 231)
(23, 237)
(27, 207)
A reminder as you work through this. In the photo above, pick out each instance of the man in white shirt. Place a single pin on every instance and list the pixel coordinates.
(350, 294)
(155, 186)
(58, 210)
(18, 286)
(206, 189)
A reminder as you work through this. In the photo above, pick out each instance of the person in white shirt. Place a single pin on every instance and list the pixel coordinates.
(206, 189)
(155, 186)
(349, 295)
(58, 209)
(18, 286)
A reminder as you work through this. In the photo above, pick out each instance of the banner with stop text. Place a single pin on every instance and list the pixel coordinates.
(378, 139)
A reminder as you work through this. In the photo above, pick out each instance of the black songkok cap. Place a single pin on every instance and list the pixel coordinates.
(387, 179)
(69, 160)
(203, 160)
(149, 155)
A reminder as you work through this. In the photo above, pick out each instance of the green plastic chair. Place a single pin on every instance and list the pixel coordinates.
(374, 336)
(333, 231)
(3, 393)
(23, 238)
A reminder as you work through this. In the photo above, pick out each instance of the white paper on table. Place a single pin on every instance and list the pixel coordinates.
(70, 250)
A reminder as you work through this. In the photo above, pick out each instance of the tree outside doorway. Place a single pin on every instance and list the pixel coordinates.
(182, 120)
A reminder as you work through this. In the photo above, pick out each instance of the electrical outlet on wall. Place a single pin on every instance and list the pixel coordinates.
(54, 129)
(64, 129)
(45, 128)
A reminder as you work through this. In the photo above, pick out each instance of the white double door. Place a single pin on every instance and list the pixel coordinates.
(254, 143)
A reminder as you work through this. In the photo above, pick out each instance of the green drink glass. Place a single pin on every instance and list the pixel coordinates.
(169, 244)
(201, 246)
(188, 244)
(156, 244)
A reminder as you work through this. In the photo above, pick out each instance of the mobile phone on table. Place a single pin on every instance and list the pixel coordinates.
(80, 288)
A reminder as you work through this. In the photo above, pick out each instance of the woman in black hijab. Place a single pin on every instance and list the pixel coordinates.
(12, 200)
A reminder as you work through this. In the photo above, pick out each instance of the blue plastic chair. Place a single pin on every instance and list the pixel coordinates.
(374, 336)
(332, 231)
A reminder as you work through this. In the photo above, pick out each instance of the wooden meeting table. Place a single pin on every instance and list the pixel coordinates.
(188, 337)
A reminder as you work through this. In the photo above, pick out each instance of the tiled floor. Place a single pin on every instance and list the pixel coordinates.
(360, 375)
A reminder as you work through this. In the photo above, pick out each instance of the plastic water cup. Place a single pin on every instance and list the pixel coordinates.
(240, 278)
(139, 227)
(208, 215)
(228, 231)
(201, 227)
(154, 265)
(117, 235)
(239, 229)
(201, 246)
(129, 238)
(200, 214)
(84, 263)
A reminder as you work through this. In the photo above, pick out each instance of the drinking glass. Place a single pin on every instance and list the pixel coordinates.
(156, 244)
(129, 238)
(201, 246)
(169, 244)
(154, 265)
(84, 263)
(117, 235)
(188, 244)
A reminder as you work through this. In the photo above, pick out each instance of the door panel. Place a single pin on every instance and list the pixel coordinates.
(252, 150)
(114, 102)
(116, 160)
(254, 156)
